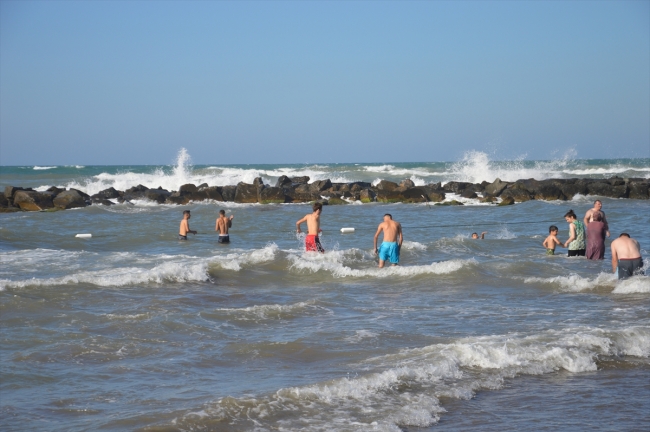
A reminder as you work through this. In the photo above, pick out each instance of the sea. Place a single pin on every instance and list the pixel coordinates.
(133, 330)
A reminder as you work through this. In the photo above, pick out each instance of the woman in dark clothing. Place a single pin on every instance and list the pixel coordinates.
(596, 237)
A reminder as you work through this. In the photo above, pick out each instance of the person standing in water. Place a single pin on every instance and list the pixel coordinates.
(185, 226)
(596, 237)
(393, 238)
(589, 216)
(223, 223)
(576, 241)
(626, 256)
(312, 242)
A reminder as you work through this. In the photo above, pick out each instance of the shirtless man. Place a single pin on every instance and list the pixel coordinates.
(626, 256)
(312, 242)
(392, 243)
(185, 226)
(223, 223)
(589, 216)
(475, 235)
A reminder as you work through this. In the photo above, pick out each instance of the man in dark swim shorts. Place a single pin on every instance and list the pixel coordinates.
(223, 224)
(626, 257)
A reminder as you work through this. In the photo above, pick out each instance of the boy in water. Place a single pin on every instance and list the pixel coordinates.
(475, 235)
(551, 241)
(393, 238)
(312, 242)
(223, 223)
(185, 226)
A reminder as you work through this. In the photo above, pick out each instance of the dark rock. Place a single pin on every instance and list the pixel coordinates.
(506, 201)
(496, 187)
(517, 191)
(177, 198)
(55, 190)
(228, 192)
(101, 201)
(436, 196)
(639, 190)
(300, 180)
(386, 185)
(258, 182)
(109, 193)
(366, 195)
(33, 200)
(616, 181)
(468, 193)
(336, 201)
(320, 185)
(201, 186)
(136, 189)
(192, 192)
(273, 195)
(605, 189)
(187, 189)
(456, 187)
(572, 187)
(389, 196)
(406, 184)
(211, 193)
(157, 195)
(358, 186)
(488, 199)
(246, 193)
(69, 199)
(543, 190)
(283, 181)
(10, 192)
(302, 193)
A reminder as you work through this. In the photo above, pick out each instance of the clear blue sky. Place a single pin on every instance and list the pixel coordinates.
(123, 82)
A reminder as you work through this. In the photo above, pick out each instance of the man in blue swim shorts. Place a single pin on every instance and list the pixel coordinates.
(390, 247)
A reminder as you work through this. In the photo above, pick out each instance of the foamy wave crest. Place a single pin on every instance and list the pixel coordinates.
(272, 311)
(332, 262)
(399, 390)
(173, 271)
(476, 167)
(634, 285)
(235, 261)
(39, 168)
(576, 283)
(411, 245)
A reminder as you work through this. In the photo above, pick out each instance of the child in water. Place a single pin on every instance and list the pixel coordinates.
(551, 241)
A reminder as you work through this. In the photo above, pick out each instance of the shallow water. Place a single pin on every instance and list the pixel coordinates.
(134, 330)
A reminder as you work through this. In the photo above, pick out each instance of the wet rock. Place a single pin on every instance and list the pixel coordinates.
(211, 193)
(136, 192)
(177, 198)
(406, 184)
(386, 185)
(518, 192)
(602, 188)
(157, 195)
(468, 193)
(109, 193)
(300, 180)
(366, 195)
(359, 186)
(70, 199)
(488, 199)
(436, 196)
(283, 181)
(302, 193)
(496, 187)
(10, 192)
(320, 185)
(193, 193)
(101, 201)
(228, 193)
(273, 195)
(638, 189)
(257, 181)
(246, 193)
(450, 203)
(33, 200)
(507, 201)
(572, 187)
(336, 201)
(55, 190)
(456, 187)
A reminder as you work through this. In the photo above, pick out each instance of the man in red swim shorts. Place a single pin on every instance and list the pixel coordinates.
(312, 243)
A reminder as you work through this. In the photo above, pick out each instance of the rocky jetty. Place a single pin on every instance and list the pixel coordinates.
(299, 189)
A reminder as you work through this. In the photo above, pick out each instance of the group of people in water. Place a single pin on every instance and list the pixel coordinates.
(586, 238)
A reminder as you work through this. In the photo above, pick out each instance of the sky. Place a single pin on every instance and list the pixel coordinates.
(128, 82)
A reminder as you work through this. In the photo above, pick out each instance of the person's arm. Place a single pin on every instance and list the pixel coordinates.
(614, 257)
(572, 236)
(216, 225)
(400, 234)
(230, 221)
(483, 235)
(189, 230)
(298, 224)
(379, 228)
(586, 218)
(557, 241)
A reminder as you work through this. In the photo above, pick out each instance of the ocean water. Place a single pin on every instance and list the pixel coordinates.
(134, 330)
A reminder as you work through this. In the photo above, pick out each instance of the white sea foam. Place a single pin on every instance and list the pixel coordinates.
(637, 284)
(235, 261)
(412, 245)
(576, 283)
(39, 168)
(383, 397)
(270, 311)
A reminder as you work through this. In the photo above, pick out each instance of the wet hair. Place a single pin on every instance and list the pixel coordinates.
(317, 206)
(601, 203)
(571, 214)
(474, 234)
(186, 212)
(552, 228)
(624, 235)
(597, 216)
(222, 212)
(389, 215)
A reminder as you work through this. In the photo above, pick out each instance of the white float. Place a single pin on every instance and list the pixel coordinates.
(347, 230)
(84, 235)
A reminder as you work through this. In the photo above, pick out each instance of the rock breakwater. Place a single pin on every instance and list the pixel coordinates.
(300, 190)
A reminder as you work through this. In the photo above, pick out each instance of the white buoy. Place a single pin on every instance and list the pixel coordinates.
(347, 230)
(84, 235)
